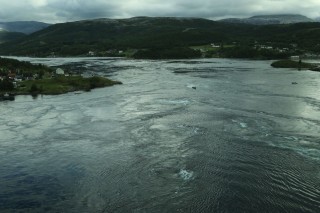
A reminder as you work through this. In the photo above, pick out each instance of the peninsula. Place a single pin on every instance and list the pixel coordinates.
(24, 78)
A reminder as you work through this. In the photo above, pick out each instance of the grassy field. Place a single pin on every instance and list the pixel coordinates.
(63, 84)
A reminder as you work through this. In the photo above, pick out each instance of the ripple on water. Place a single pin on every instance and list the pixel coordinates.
(155, 136)
(192, 130)
(7, 135)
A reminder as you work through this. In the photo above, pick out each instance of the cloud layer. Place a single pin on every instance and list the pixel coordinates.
(70, 10)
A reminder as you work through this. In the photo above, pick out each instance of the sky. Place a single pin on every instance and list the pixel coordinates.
(55, 11)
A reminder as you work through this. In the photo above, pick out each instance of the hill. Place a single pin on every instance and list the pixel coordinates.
(271, 19)
(6, 36)
(26, 27)
(109, 36)
(76, 38)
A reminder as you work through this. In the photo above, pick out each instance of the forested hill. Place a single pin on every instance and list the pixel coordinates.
(6, 36)
(78, 38)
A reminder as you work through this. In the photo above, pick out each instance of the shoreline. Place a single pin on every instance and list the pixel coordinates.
(58, 88)
(287, 63)
(14, 93)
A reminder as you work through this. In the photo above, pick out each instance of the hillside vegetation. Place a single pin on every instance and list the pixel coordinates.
(110, 36)
(9, 36)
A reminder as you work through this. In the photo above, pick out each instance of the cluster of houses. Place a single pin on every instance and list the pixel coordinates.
(257, 46)
(11, 76)
(268, 47)
(108, 52)
(15, 77)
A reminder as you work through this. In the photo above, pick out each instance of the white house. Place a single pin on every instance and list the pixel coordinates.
(215, 46)
(91, 53)
(59, 71)
(295, 58)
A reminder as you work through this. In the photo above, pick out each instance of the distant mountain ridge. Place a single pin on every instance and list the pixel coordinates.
(154, 33)
(270, 19)
(26, 27)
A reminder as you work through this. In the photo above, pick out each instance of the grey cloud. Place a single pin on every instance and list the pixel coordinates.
(81, 9)
(70, 10)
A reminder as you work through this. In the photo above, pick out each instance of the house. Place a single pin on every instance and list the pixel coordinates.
(35, 76)
(295, 58)
(59, 71)
(11, 75)
(91, 53)
(215, 46)
(265, 47)
(18, 78)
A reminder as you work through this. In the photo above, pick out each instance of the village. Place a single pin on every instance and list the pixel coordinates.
(255, 50)
(24, 78)
(12, 78)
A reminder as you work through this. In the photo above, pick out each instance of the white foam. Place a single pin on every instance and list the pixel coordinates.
(176, 102)
(243, 125)
(293, 138)
(159, 127)
(186, 175)
(191, 86)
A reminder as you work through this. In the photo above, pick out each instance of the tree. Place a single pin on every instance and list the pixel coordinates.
(41, 73)
(6, 85)
(34, 88)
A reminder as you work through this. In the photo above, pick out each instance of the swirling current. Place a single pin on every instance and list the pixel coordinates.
(209, 135)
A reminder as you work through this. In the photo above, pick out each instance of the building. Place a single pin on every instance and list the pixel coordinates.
(59, 71)
(295, 58)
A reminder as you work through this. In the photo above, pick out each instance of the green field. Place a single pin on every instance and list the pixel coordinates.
(63, 84)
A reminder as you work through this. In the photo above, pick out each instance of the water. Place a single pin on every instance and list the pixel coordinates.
(245, 140)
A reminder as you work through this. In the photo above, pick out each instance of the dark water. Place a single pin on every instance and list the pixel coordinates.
(245, 140)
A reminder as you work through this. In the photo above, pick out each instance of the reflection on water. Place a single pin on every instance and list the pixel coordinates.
(245, 140)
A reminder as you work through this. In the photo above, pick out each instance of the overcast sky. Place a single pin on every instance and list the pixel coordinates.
(53, 11)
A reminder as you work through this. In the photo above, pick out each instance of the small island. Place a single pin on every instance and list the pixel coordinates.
(295, 64)
(292, 64)
(24, 78)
